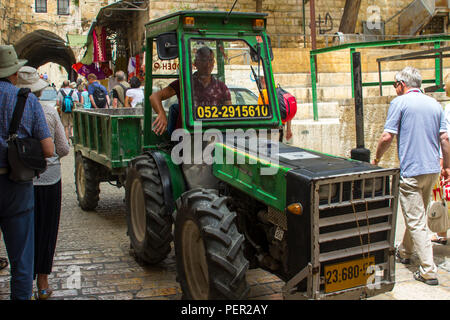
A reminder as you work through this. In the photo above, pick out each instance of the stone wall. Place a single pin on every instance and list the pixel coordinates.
(285, 20)
(20, 18)
(337, 136)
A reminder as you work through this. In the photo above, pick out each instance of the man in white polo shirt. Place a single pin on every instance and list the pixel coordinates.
(418, 121)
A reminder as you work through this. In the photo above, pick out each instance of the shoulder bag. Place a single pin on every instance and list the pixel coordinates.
(25, 156)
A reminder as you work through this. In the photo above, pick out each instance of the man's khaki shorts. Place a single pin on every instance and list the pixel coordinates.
(67, 119)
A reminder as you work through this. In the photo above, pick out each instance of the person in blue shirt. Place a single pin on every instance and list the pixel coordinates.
(93, 96)
(17, 199)
(418, 121)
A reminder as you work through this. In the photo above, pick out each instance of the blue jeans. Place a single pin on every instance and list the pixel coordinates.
(17, 225)
(174, 110)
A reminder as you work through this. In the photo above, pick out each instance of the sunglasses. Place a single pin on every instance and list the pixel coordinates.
(397, 83)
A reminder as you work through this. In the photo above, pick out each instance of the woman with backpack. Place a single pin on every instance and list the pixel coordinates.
(85, 101)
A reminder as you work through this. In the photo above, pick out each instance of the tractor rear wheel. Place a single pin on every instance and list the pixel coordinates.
(86, 182)
(208, 248)
(149, 223)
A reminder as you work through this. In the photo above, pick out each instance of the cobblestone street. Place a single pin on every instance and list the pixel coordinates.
(96, 244)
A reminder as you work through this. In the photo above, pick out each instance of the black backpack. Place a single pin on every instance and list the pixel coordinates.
(99, 97)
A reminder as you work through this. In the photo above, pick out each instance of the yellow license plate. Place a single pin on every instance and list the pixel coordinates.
(341, 276)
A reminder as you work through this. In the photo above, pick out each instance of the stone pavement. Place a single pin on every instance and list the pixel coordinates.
(92, 260)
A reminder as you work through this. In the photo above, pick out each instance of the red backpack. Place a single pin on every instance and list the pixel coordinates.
(287, 104)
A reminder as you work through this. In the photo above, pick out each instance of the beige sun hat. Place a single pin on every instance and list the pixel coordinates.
(9, 63)
(29, 78)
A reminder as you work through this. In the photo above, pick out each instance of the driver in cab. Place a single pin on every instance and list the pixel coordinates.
(208, 91)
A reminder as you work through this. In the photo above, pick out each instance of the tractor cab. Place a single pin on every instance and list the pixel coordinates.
(219, 64)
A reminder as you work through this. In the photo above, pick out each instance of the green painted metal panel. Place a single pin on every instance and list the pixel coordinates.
(111, 139)
(244, 173)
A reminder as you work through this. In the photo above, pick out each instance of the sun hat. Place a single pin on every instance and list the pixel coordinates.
(73, 85)
(9, 63)
(29, 78)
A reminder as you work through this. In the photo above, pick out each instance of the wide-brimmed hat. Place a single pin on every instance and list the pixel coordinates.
(29, 78)
(9, 63)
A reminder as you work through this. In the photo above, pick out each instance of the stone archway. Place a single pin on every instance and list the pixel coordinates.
(42, 46)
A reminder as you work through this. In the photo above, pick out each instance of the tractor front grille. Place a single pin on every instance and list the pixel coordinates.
(352, 218)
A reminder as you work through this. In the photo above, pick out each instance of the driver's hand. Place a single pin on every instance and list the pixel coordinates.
(160, 124)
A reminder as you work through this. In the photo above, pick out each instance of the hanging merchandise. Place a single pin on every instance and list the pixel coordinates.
(89, 55)
(131, 67)
(102, 72)
(99, 37)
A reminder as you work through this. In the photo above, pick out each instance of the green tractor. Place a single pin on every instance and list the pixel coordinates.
(222, 188)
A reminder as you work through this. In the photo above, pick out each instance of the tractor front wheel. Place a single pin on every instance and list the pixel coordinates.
(208, 248)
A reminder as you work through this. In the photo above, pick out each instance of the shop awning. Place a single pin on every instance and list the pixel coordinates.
(76, 40)
(113, 16)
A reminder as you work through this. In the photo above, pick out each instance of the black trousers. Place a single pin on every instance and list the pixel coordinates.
(47, 206)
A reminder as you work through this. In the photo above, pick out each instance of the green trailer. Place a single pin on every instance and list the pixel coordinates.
(105, 141)
(222, 188)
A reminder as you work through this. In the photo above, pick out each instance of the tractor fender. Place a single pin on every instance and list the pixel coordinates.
(169, 172)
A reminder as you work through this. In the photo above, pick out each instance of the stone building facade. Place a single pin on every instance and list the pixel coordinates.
(41, 37)
(38, 29)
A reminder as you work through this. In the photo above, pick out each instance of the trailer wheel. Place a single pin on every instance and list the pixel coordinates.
(149, 224)
(86, 182)
(208, 248)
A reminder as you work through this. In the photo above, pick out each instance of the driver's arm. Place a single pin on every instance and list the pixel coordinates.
(156, 99)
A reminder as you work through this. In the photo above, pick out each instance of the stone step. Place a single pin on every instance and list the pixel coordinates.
(303, 80)
(330, 94)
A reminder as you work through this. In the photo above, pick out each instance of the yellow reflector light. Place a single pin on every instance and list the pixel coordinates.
(188, 21)
(295, 208)
(258, 24)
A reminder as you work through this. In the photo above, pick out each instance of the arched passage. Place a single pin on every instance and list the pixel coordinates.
(42, 46)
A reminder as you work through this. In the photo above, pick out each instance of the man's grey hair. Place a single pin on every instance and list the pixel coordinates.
(66, 83)
(410, 76)
(120, 75)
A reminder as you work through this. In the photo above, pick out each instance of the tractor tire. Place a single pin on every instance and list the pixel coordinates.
(149, 223)
(209, 248)
(87, 183)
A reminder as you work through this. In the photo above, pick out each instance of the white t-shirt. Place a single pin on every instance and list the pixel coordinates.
(137, 94)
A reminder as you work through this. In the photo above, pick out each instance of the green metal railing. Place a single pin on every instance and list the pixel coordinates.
(436, 39)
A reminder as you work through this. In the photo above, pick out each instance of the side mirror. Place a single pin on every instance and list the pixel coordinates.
(167, 46)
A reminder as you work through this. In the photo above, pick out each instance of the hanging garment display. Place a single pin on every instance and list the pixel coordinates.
(99, 37)
(131, 67)
(102, 71)
(89, 55)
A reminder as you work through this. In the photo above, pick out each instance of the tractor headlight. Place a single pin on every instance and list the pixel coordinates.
(324, 191)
